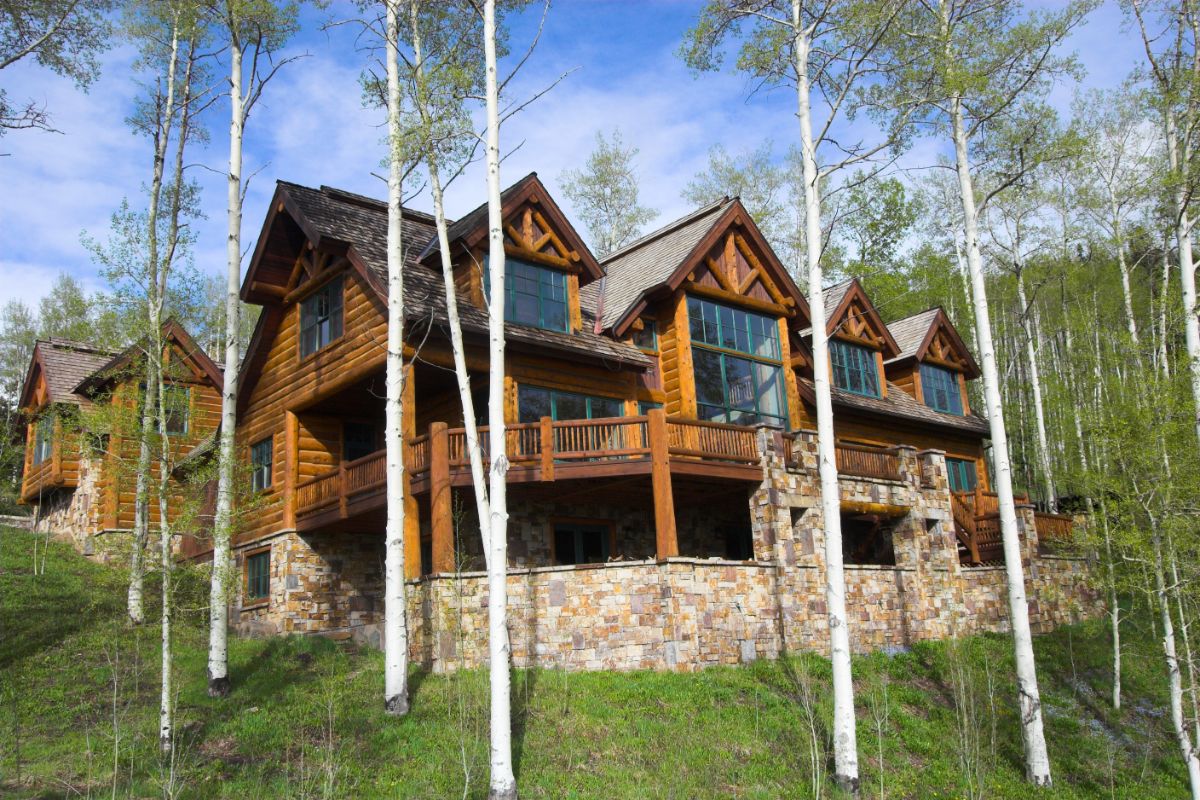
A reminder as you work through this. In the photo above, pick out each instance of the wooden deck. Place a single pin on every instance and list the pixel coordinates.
(537, 452)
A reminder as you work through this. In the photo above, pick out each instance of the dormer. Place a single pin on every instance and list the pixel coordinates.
(934, 364)
(546, 261)
(859, 341)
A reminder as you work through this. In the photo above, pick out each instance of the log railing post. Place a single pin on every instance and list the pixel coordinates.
(546, 426)
(343, 489)
(441, 518)
(412, 514)
(665, 538)
(291, 436)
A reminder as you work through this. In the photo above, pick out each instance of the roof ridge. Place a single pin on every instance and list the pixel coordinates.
(75, 344)
(668, 228)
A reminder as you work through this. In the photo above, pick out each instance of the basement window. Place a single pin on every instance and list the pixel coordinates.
(867, 539)
(258, 576)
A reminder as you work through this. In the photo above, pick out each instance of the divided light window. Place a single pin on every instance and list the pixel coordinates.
(258, 576)
(261, 458)
(533, 295)
(854, 368)
(321, 317)
(535, 402)
(962, 474)
(941, 389)
(178, 401)
(43, 440)
(736, 362)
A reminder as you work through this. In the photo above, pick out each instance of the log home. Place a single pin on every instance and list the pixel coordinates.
(82, 445)
(663, 491)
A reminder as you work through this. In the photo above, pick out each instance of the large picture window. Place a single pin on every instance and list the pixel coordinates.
(533, 295)
(854, 368)
(43, 440)
(321, 317)
(736, 363)
(941, 389)
(535, 402)
(962, 474)
(261, 459)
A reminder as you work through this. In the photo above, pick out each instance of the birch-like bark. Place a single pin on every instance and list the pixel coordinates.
(395, 693)
(1174, 683)
(845, 744)
(1187, 269)
(1164, 365)
(222, 568)
(1035, 379)
(462, 376)
(1126, 290)
(141, 509)
(1037, 760)
(503, 784)
(1114, 607)
(165, 709)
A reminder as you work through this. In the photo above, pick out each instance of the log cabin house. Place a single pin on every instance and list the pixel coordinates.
(663, 492)
(82, 445)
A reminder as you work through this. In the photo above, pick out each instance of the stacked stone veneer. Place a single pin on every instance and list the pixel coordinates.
(683, 613)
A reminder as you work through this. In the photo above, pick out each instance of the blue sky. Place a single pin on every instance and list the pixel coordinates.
(311, 128)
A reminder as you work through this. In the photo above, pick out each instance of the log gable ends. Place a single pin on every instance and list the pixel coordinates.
(731, 263)
(855, 319)
(943, 347)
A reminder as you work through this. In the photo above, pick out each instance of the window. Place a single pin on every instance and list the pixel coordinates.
(534, 296)
(535, 402)
(178, 405)
(321, 317)
(854, 368)
(43, 440)
(582, 543)
(359, 439)
(646, 405)
(258, 575)
(260, 464)
(647, 337)
(941, 389)
(962, 474)
(736, 364)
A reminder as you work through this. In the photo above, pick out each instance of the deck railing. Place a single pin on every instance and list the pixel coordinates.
(712, 440)
(977, 523)
(336, 487)
(1053, 527)
(864, 461)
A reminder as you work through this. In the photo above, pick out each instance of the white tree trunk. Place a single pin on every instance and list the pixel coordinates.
(395, 693)
(1039, 411)
(165, 709)
(1037, 761)
(1164, 365)
(1187, 269)
(462, 376)
(222, 568)
(1114, 607)
(1119, 243)
(845, 744)
(141, 509)
(1174, 683)
(503, 785)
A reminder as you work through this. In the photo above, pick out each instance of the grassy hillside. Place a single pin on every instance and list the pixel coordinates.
(79, 700)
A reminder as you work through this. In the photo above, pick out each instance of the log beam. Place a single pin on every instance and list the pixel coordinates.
(439, 498)
(665, 537)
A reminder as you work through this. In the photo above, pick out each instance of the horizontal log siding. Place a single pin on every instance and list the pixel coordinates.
(286, 379)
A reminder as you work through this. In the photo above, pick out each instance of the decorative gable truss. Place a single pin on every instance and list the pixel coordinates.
(527, 234)
(944, 347)
(856, 320)
(732, 267)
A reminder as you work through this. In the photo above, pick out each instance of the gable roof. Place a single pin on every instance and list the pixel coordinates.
(838, 300)
(916, 333)
(664, 257)
(471, 228)
(357, 226)
(834, 295)
(63, 364)
(172, 331)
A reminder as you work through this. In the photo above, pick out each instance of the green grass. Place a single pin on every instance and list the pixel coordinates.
(305, 719)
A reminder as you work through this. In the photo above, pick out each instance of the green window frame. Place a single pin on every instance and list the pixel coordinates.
(736, 365)
(178, 400)
(261, 463)
(321, 317)
(962, 474)
(941, 390)
(258, 575)
(582, 543)
(645, 405)
(533, 295)
(854, 368)
(647, 338)
(43, 440)
(535, 402)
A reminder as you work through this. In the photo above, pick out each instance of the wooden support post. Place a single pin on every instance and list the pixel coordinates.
(665, 539)
(440, 511)
(412, 513)
(546, 426)
(342, 489)
(291, 445)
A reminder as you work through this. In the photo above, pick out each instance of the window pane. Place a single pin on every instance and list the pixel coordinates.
(533, 403)
(962, 474)
(769, 382)
(555, 315)
(606, 407)
(740, 383)
(728, 327)
(710, 387)
(570, 406)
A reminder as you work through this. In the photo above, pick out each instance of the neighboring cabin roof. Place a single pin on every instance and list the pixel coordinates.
(648, 262)
(361, 223)
(172, 332)
(63, 364)
(899, 403)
